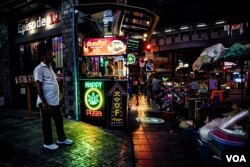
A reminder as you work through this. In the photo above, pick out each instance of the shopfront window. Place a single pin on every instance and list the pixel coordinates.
(58, 51)
(29, 58)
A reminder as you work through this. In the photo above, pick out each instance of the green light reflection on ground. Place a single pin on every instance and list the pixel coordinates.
(150, 120)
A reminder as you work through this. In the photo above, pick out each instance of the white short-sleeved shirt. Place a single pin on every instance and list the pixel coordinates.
(50, 87)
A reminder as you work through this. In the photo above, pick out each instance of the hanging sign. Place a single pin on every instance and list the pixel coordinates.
(149, 67)
(131, 58)
(93, 99)
(117, 112)
(39, 23)
(104, 46)
(142, 62)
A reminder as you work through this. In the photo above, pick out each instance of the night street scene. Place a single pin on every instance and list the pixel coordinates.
(124, 83)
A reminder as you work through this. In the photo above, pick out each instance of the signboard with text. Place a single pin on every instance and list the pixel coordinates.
(104, 46)
(25, 79)
(117, 98)
(39, 23)
(94, 99)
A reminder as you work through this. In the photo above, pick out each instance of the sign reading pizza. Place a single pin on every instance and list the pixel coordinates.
(117, 112)
(93, 99)
(104, 46)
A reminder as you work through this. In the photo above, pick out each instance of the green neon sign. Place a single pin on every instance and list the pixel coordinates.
(131, 58)
(89, 84)
(93, 97)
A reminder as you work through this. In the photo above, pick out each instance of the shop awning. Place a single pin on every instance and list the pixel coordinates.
(237, 52)
(128, 20)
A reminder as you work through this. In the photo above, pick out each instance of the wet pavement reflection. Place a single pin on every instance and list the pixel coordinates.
(158, 143)
(22, 145)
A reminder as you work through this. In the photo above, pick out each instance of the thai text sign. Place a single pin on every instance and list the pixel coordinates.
(104, 46)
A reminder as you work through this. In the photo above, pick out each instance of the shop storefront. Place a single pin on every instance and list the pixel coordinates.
(40, 31)
(103, 87)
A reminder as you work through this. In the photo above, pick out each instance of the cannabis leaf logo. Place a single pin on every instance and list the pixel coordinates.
(93, 98)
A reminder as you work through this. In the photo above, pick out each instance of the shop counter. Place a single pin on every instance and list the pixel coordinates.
(104, 101)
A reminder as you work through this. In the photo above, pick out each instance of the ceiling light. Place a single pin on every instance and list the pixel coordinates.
(220, 22)
(184, 28)
(168, 30)
(201, 25)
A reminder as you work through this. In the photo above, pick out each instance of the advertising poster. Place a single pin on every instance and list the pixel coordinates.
(104, 46)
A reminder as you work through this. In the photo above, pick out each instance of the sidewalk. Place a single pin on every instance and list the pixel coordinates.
(147, 143)
(22, 144)
(157, 143)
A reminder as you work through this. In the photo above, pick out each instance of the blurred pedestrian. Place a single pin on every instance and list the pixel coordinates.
(130, 84)
(142, 85)
(212, 84)
(155, 89)
(135, 89)
(48, 101)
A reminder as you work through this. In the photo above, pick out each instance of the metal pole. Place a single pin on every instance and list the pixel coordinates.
(126, 55)
(241, 82)
(75, 65)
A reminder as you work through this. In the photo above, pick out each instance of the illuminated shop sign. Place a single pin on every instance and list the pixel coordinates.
(93, 98)
(149, 67)
(117, 93)
(104, 46)
(46, 21)
(131, 58)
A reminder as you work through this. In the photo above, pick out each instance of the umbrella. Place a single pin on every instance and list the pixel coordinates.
(237, 52)
(208, 55)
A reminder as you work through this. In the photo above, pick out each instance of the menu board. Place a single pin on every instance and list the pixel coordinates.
(104, 46)
(25, 79)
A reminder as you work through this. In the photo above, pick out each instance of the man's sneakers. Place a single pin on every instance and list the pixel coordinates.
(54, 146)
(65, 142)
(51, 146)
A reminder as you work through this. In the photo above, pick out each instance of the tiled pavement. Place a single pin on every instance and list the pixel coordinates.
(159, 144)
(151, 145)
(22, 145)
(144, 144)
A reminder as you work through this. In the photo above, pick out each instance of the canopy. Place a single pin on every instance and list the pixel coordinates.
(237, 52)
(208, 55)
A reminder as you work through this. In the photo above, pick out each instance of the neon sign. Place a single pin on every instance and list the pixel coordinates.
(131, 58)
(93, 98)
(93, 113)
(104, 46)
(117, 110)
